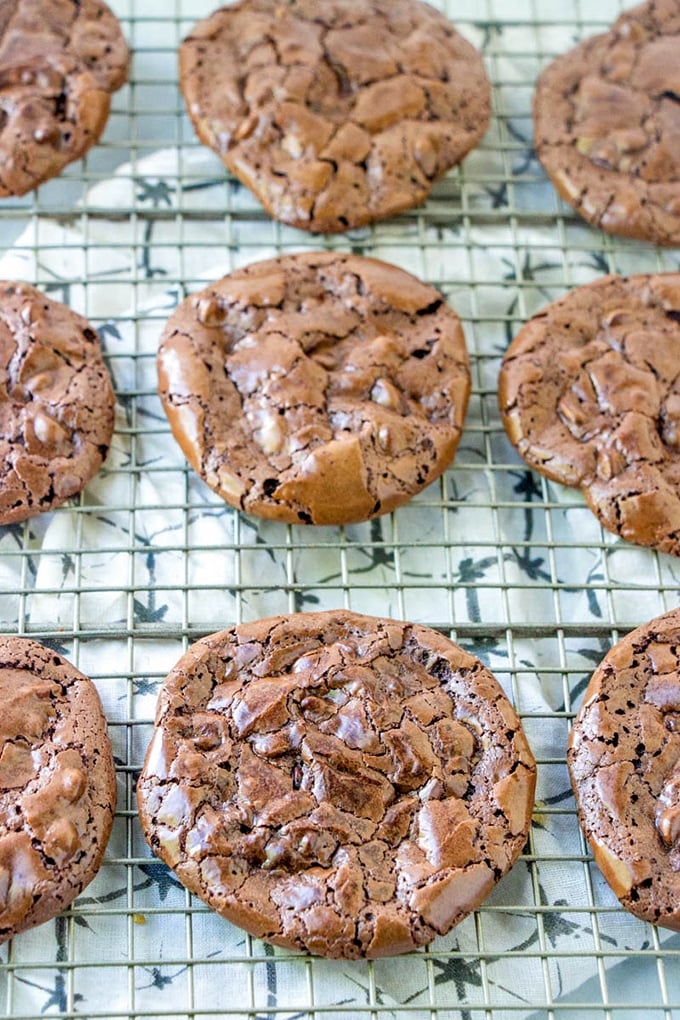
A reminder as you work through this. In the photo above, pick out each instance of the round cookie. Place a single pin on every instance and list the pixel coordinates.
(338, 783)
(57, 784)
(60, 60)
(334, 113)
(56, 402)
(316, 388)
(589, 392)
(607, 125)
(624, 763)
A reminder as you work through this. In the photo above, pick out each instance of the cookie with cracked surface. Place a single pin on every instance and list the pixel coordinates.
(316, 388)
(334, 113)
(60, 61)
(607, 125)
(589, 392)
(57, 784)
(624, 763)
(339, 783)
(56, 403)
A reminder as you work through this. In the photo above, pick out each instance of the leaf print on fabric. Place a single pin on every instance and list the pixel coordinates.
(527, 486)
(160, 877)
(159, 980)
(526, 159)
(57, 994)
(143, 686)
(461, 974)
(498, 195)
(525, 270)
(469, 571)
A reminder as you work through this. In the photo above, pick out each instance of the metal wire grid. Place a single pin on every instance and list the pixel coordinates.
(490, 554)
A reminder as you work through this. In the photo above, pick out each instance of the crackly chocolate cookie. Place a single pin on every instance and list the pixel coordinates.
(57, 784)
(624, 762)
(60, 60)
(56, 402)
(334, 112)
(607, 125)
(316, 388)
(339, 783)
(590, 396)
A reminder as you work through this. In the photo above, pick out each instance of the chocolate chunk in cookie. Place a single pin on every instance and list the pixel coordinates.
(316, 388)
(60, 60)
(56, 403)
(607, 125)
(624, 762)
(590, 395)
(334, 113)
(338, 783)
(57, 784)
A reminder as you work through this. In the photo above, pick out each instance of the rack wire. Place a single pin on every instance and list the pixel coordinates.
(147, 559)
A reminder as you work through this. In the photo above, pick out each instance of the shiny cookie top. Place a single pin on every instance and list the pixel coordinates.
(56, 402)
(607, 125)
(60, 60)
(624, 762)
(57, 784)
(589, 391)
(343, 784)
(316, 388)
(334, 112)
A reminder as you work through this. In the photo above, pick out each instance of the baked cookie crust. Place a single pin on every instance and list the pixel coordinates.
(344, 784)
(334, 113)
(607, 125)
(57, 784)
(589, 392)
(60, 61)
(316, 388)
(624, 763)
(56, 403)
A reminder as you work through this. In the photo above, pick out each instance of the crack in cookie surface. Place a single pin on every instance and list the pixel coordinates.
(589, 391)
(60, 60)
(56, 402)
(337, 783)
(624, 763)
(334, 113)
(57, 784)
(317, 389)
(607, 125)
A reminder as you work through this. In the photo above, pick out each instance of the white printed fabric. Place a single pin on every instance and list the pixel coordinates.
(516, 568)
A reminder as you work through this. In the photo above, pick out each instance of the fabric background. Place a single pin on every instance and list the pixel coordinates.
(514, 567)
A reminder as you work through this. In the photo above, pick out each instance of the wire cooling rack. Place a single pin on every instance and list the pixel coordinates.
(513, 567)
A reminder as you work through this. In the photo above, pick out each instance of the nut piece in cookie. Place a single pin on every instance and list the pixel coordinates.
(56, 403)
(624, 763)
(57, 784)
(589, 391)
(334, 113)
(607, 125)
(317, 388)
(343, 784)
(60, 61)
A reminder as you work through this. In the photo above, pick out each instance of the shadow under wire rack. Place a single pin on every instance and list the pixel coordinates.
(513, 567)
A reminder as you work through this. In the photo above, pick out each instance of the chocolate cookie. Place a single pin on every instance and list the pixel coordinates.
(60, 60)
(589, 391)
(57, 784)
(607, 125)
(334, 112)
(56, 402)
(334, 782)
(624, 762)
(316, 388)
